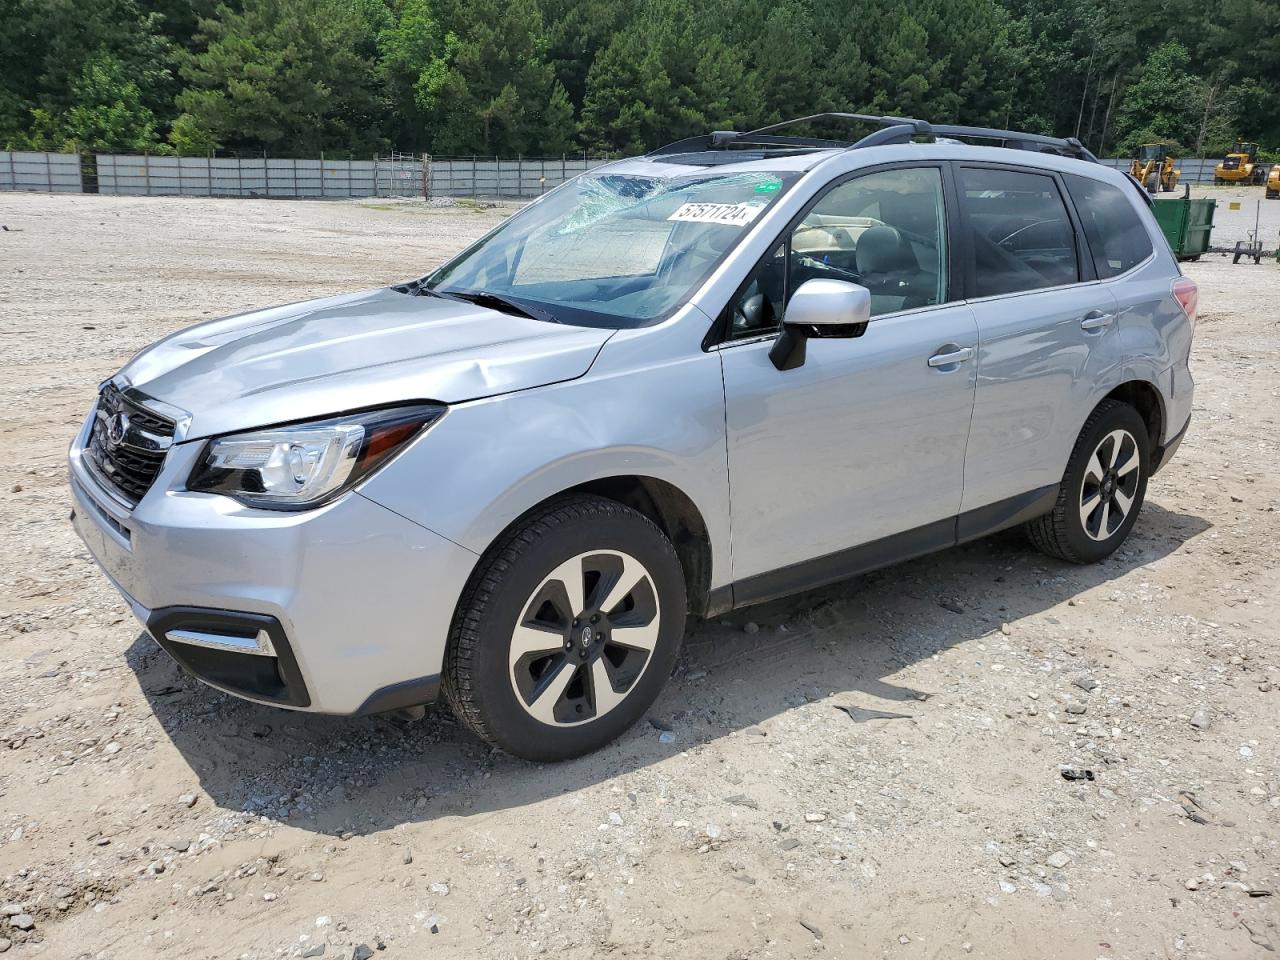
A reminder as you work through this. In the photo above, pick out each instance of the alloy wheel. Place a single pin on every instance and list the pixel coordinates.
(1110, 485)
(585, 636)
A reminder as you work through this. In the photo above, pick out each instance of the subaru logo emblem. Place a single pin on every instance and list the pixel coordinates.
(117, 427)
(586, 636)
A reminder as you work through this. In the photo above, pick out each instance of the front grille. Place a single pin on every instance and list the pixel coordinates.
(127, 444)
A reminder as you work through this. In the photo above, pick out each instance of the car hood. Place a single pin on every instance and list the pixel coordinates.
(367, 349)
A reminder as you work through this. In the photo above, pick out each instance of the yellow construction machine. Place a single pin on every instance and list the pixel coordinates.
(1153, 167)
(1273, 183)
(1240, 165)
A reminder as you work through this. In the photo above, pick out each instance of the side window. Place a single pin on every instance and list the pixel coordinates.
(1117, 239)
(1021, 234)
(884, 230)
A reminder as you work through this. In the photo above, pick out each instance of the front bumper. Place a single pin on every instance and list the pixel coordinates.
(344, 609)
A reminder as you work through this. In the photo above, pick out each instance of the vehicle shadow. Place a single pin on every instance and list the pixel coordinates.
(334, 775)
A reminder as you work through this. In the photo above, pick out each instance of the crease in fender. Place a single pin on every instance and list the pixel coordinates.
(421, 526)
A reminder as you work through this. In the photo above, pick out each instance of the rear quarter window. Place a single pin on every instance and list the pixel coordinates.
(1118, 241)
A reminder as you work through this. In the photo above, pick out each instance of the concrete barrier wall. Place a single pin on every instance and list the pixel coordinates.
(481, 178)
(1189, 171)
(256, 177)
(484, 178)
(491, 178)
(40, 172)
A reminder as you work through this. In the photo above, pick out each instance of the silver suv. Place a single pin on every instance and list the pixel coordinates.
(742, 366)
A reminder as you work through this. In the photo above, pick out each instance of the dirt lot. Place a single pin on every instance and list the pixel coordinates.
(143, 815)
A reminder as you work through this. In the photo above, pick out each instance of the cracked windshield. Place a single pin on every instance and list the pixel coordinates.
(614, 250)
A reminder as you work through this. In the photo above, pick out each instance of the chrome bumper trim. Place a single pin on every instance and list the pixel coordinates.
(259, 646)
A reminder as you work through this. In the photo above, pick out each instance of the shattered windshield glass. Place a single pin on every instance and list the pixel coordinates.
(614, 250)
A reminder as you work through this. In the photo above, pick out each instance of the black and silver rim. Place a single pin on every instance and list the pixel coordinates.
(584, 638)
(1110, 485)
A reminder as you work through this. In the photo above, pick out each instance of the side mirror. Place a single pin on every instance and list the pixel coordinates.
(820, 308)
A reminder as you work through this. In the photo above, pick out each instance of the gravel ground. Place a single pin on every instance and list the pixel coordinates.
(875, 769)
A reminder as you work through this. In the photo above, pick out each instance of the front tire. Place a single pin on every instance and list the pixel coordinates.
(567, 630)
(1102, 491)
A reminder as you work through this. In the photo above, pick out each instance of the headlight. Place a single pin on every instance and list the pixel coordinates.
(303, 465)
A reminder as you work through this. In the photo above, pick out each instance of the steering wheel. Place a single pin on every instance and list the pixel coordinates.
(753, 313)
(841, 272)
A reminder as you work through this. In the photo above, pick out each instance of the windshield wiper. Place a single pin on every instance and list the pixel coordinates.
(496, 301)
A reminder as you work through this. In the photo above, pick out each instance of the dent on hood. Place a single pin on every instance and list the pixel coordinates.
(344, 353)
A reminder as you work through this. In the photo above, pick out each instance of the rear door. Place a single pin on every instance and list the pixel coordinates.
(1123, 255)
(1047, 330)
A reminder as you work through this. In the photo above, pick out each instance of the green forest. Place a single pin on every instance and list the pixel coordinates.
(545, 77)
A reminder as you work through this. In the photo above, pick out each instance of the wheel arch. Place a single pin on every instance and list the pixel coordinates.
(1144, 397)
(676, 515)
(670, 508)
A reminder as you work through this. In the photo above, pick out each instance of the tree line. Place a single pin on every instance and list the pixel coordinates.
(545, 77)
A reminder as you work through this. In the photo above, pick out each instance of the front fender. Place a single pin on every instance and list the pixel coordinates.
(489, 461)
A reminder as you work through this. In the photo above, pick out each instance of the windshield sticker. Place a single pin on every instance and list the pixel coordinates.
(772, 185)
(730, 214)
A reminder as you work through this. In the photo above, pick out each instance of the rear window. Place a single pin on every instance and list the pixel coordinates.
(1021, 236)
(1117, 239)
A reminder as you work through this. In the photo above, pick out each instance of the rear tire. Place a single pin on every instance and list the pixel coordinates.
(567, 631)
(1102, 491)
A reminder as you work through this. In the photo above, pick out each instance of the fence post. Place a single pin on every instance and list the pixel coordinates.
(208, 171)
(473, 177)
(426, 176)
(146, 173)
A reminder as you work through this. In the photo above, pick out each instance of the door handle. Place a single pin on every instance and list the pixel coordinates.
(951, 357)
(1096, 320)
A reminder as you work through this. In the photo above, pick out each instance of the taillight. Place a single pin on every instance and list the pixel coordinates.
(1187, 293)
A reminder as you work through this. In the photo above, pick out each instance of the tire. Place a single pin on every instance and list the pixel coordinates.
(1074, 532)
(1273, 194)
(549, 703)
(1153, 183)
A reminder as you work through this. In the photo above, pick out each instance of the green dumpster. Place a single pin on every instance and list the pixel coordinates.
(1186, 224)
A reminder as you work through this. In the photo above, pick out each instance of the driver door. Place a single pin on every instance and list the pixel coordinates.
(856, 457)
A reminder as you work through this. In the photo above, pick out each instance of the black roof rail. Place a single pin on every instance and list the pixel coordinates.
(892, 130)
(1017, 140)
(919, 126)
(765, 136)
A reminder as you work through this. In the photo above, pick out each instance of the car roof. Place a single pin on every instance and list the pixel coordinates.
(758, 161)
